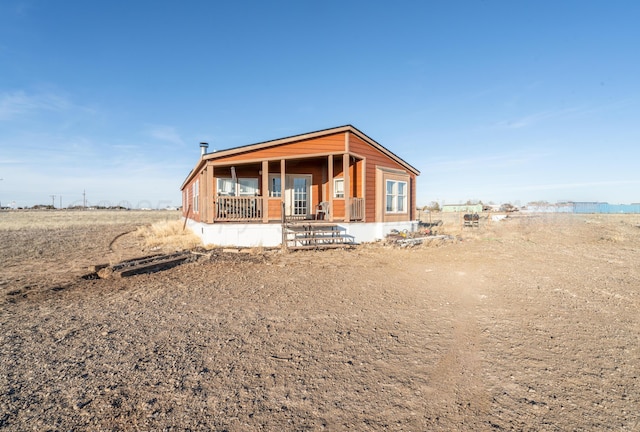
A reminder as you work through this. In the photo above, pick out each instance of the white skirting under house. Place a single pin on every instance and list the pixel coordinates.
(270, 235)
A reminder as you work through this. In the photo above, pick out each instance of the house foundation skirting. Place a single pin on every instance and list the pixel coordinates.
(270, 235)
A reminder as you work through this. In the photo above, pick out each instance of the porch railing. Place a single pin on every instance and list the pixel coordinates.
(357, 208)
(238, 208)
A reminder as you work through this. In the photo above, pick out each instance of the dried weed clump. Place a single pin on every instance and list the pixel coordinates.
(168, 235)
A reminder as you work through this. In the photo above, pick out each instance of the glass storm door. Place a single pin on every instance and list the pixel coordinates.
(298, 195)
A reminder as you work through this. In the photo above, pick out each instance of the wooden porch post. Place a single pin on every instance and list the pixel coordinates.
(209, 194)
(330, 186)
(347, 187)
(202, 196)
(265, 191)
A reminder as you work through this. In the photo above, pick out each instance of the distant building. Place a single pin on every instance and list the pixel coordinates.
(462, 208)
(585, 208)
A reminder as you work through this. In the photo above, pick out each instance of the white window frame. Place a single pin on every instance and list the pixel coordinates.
(338, 191)
(275, 180)
(225, 186)
(243, 186)
(196, 196)
(247, 186)
(293, 196)
(395, 196)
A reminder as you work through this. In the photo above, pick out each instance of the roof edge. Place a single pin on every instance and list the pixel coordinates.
(385, 150)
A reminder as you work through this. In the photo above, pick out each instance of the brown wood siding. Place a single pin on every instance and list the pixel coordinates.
(275, 209)
(337, 166)
(244, 171)
(327, 144)
(185, 202)
(338, 209)
(355, 176)
(187, 209)
(375, 158)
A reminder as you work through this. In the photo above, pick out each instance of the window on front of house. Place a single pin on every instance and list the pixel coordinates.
(338, 188)
(275, 188)
(396, 196)
(226, 187)
(247, 186)
(239, 187)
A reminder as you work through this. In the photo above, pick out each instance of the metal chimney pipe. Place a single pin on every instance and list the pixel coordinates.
(203, 148)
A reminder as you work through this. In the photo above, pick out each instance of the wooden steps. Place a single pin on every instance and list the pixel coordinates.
(300, 236)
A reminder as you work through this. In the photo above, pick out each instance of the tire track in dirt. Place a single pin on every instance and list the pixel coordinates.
(455, 393)
(111, 249)
(459, 390)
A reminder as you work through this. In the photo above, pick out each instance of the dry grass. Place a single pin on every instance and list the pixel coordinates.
(168, 235)
(56, 219)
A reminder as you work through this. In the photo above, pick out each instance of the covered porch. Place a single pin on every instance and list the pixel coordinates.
(329, 188)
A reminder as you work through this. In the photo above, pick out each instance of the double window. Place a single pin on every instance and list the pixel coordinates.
(396, 193)
(238, 187)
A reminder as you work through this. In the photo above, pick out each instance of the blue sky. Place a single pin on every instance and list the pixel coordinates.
(500, 101)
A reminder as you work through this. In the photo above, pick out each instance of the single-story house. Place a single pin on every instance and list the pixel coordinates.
(245, 196)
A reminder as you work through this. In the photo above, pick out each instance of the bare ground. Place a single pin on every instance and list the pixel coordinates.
(526, 324)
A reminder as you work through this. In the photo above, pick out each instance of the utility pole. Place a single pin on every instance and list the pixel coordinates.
(60, 201)
(84, 199)
(53, 201)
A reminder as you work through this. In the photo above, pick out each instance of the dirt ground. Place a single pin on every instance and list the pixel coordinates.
(527, 324)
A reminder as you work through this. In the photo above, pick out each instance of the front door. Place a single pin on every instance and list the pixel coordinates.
(298, 196)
